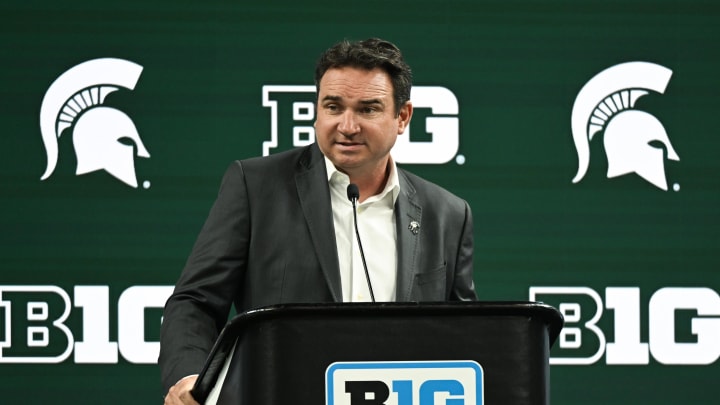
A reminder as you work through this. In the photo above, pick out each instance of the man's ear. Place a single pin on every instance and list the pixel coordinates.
(404, 116)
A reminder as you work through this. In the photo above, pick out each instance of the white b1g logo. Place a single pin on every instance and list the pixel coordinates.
(292, 113)
(583, 342)
(35, 328)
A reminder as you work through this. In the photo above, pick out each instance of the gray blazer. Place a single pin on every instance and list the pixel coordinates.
(269, 239)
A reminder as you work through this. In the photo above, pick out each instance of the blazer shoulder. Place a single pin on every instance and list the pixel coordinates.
(426, 191)
(294, 159)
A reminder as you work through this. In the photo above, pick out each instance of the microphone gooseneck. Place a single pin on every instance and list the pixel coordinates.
(353, 194)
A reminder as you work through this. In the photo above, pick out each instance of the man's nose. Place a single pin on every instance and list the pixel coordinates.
(348, 125)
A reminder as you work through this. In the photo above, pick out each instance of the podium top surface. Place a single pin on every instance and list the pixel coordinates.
(548, 314)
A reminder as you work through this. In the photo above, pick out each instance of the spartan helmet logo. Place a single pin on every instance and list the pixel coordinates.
(76, 98)
(607, 102)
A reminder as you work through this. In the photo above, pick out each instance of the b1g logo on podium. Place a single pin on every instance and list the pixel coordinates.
(404, 383)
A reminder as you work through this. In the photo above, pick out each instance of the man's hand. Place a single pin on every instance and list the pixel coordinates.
(179, 394)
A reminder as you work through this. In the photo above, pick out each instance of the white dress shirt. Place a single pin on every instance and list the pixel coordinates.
(376, 224)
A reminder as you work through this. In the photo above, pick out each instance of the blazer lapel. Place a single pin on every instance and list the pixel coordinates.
(314, 193)
(408, 216)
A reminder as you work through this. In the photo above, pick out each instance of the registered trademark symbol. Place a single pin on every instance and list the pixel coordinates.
(460, 159)
(146, 184)
(676, 187)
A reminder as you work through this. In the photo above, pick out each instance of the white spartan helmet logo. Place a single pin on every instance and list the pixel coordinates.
(607, 102)
(76, 98)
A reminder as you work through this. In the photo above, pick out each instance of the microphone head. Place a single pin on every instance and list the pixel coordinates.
(353, 193)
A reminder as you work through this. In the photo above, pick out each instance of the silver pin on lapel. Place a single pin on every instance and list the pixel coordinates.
(414, 227)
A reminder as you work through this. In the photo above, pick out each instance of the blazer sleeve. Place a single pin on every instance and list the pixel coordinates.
(463, 288)
(199, 306)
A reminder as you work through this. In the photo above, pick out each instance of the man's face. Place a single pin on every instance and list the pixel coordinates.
(356, 123)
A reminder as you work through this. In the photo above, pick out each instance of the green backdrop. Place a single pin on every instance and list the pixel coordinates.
(640, 263)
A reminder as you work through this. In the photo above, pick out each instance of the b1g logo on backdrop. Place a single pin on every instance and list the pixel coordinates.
(292, 114)
(607, 102)
(683, 325)
(76, 99)
(404, 383)
(35, 324)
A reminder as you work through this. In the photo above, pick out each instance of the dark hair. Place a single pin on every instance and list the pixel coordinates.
(369, 54)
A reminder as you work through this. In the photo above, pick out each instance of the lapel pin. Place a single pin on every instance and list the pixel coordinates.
(414, 227)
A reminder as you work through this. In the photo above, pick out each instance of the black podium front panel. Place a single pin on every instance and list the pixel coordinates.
(283, 354)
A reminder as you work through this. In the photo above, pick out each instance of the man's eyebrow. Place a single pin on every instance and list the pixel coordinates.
(371, 101)
(332, 98)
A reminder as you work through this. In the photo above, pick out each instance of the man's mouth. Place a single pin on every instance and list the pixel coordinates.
(349, 144)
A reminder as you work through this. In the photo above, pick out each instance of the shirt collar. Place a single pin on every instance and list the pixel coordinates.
(392, 186)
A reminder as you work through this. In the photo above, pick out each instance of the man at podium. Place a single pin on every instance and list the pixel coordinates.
(284, 227)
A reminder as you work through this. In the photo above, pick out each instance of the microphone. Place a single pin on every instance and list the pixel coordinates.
(353, 194)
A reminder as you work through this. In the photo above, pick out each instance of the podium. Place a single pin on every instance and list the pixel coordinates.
(307, 353)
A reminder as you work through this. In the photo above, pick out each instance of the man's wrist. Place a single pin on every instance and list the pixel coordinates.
(185, 378)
